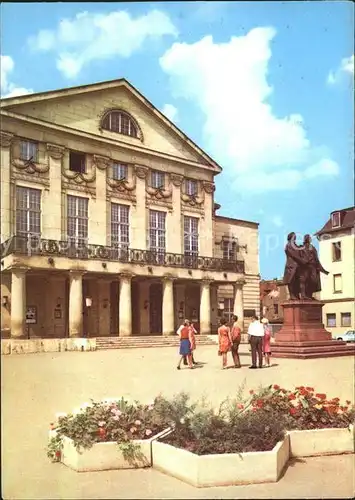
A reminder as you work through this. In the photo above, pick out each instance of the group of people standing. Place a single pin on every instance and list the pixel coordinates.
(259, 336)
(229, 338)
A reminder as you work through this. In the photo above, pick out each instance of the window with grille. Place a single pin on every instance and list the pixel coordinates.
(336, 219)
(228, 309)
(77, 162)
(157, 241)
(190, 240)
(77, 216)
(120, 228)
(157, 179)
(29, 151)
(337, 283)
(28, 211)
(229, 250)
(331, 320)
(120, 122)
(191, 187)
(336, 247)
(119, 171)
(345, 319)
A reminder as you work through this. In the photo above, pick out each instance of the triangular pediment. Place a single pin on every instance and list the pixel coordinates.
(82, 109)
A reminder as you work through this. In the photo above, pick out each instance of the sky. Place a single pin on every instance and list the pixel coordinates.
(265, 88)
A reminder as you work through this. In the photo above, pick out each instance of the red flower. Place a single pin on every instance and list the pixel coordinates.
(251, 391)
(310, 389)
(253, 409)
(321, 396)
(240, 406)
(259, 403)
(291, 396)
(293, 411)
(276, 387)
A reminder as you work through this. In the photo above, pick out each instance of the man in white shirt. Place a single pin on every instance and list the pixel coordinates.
(255, 336)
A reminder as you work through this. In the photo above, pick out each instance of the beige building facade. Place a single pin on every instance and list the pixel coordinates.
(109, 224)
(337, 255)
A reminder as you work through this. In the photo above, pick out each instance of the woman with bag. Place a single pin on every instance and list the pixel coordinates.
(186, 342)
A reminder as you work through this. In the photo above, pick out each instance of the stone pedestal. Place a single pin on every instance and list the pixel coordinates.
(303, 334)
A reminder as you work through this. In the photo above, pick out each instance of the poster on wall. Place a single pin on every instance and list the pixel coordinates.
(31, 315)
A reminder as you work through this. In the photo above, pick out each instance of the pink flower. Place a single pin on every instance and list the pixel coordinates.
(137, 422)
(102, 423)
(148, 432)
(240, 406)
(133, 429)
(116, 417)
(115, 411)
(150, 407)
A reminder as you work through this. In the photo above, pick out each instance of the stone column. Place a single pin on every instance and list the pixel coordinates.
(139, 220)
(205, 308)
(6, 139)
(238, 308)
(52, 198)
(75, 303)
(18, 302)
(214, 308)
(168, 306)
(125, 305)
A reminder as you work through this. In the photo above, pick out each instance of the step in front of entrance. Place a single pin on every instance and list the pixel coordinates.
(145, 342)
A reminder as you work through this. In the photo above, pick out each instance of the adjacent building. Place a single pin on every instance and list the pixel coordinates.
(337, 255)
(109, 224)
(272, 294)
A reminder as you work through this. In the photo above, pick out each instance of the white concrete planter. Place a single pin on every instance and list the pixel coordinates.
(322, 442)
(106, 456)
(29, 346)
(222, 469)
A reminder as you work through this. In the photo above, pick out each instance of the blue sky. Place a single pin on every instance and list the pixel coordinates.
(266, 88)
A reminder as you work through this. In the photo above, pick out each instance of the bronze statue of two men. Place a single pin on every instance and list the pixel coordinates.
(302, 270)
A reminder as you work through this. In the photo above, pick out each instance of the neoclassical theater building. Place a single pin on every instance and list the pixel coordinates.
(109, 224)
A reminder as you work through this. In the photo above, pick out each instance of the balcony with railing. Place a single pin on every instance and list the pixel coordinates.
(35, 246)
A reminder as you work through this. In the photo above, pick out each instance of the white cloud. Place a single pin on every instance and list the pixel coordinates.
(88, 37)
(277, 221)
(346, 67)
(9, 89)
(228, 83)
(170, 112)
(325, 167)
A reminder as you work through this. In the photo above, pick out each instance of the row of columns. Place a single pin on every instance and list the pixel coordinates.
(18, 304)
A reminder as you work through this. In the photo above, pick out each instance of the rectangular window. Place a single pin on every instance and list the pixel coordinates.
(77, 214)
(229, 250)
(191, 187)
(120, 229)
(157, 241)
(336, 219)
(28, 211)
(346, 319)
(77, 162)
(191, 240)
(337, 283)
(331, 320)
(119, 171)
(336, 248)
(157, 179)
(29, 151)
(228, 309)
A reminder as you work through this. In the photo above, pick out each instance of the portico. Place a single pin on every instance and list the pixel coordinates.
(79, 303)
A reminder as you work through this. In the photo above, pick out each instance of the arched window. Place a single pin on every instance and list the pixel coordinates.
(120, 122)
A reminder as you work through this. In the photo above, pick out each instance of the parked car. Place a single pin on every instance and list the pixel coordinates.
(348, 336)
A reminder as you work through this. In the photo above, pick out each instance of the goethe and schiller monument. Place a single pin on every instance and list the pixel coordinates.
(303, 334)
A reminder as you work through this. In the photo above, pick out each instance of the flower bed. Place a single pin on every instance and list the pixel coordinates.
(111, 434)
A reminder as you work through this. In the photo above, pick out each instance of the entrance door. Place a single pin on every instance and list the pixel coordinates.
(155, 308)
(192, 305)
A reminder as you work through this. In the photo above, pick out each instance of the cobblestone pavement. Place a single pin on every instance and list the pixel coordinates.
(36, 386)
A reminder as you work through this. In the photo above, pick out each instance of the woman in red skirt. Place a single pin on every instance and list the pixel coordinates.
(224, 342)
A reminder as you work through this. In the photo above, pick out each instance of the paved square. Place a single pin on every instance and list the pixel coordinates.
(36, 386)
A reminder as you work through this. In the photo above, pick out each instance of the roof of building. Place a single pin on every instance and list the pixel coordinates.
(347, 221)
(230, 220)
(9, 102)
